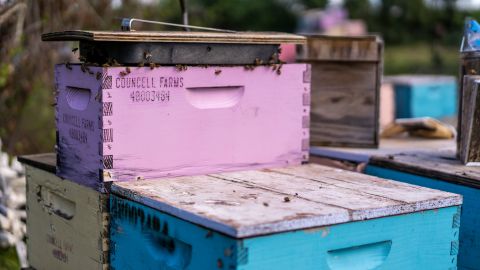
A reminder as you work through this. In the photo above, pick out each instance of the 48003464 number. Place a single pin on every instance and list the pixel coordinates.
(150, 96)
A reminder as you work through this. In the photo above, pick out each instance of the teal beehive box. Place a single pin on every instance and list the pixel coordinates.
(440, 170)
(302, 217)
(424, 95)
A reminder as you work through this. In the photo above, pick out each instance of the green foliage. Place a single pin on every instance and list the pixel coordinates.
(8, 259)
(417, 58)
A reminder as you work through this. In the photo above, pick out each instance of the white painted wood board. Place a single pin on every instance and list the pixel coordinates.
(252, 203)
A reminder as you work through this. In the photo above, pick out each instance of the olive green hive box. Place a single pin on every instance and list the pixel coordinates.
(67, 223)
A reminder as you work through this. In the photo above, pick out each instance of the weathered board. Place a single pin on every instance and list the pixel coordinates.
(67, 223)
(469, 150)
(440, 170)
(125, 124)
(386, 147)
(304, 217)
(424, 95)
(346, 76)
(469, 65)
(176, 36)
(167, 48)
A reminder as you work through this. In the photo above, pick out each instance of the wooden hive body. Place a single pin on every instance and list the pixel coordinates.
(469, 147)
(67, 223)
(440, 170)
(138, 123)
(469, 65)
(304, 217)
(346, 77)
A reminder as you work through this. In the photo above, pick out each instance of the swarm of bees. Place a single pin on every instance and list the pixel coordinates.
(274, 62)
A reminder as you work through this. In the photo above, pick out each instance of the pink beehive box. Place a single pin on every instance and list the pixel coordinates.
(119, 124)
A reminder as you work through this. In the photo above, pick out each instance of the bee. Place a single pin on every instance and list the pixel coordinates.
(286, 199)
(115, 63)
(218, 71)
(68, 66)
(88, 70)
(279, 69)
(123, 73)
(74, 50)
(127, 69)
(147, 56)
(98, 75)
(105, 65)
(152, 65)
(181, 67)
(98, 97)
(258, 62)
(82, 58)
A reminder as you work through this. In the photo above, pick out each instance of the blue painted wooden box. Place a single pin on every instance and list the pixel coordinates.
(304, 217)
(440, 170)
(419, 96)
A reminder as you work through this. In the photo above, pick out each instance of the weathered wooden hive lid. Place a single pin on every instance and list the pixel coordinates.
(176, 37)
(177, 47)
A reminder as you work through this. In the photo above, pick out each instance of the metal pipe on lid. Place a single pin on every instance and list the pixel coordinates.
(127, 25)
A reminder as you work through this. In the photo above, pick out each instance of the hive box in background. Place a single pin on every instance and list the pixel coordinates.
(424, 95)
(300, 217)
(119, 123)
(67, 223)
(346, 77)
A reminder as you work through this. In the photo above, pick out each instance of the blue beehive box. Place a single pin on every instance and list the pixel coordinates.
(424, 95)
(440, 170)
(303, 217)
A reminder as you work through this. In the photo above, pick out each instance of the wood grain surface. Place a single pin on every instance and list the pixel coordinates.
(176, 36)
(346, 77)
(249, 203)
(469, 151)
(432, 164)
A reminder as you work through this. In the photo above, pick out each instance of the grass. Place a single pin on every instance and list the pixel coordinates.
(8, 259)
(420, 58)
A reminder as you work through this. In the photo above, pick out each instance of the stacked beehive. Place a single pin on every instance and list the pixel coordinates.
(218, 102)
(146, 105)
